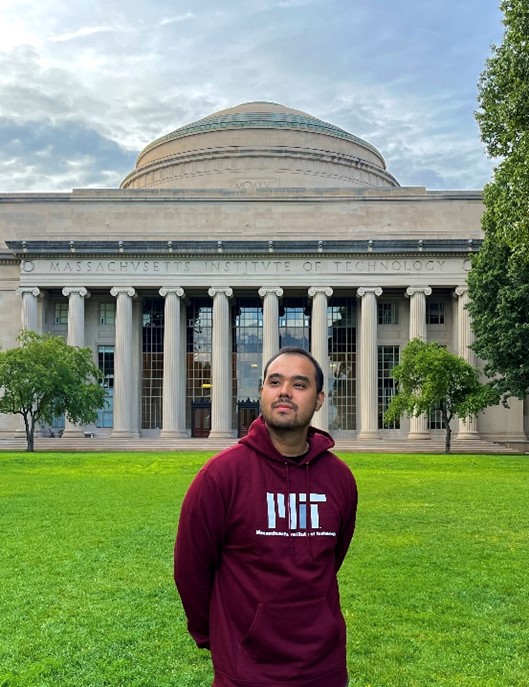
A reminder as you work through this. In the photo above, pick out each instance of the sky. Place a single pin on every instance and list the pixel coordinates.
(84, 86)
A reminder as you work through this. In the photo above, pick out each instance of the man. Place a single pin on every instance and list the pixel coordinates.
(263, 530)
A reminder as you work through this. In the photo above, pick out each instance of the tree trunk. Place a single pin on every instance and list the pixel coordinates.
(30, 438)
(30, 432)
(448, 435)
(447, 439)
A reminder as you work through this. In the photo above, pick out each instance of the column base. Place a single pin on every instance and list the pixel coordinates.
(220, 434)
(468, 436)
(419, 435)
(124, 434)
(73, 433)
(174, 434)
(369, 434)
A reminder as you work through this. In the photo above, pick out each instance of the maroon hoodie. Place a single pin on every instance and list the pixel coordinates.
(260, 540)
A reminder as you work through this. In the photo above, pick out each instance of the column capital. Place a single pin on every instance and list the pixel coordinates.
(265, 290)
(225, 290)
(80, 290)
(172, 289)
(364, 290)
(326, 290)
(460, 291)
(33, 290)
(412, 290)
(128, 290)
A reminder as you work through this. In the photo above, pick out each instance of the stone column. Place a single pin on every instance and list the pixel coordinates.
(270, 298)
(221, 377)
(30, 310)
(417, 296)
(29, 320)
(368, 363)
(137, 364)
(123, 392)
(76, 299)
(174, 368)
(465, 338)
(319, 343)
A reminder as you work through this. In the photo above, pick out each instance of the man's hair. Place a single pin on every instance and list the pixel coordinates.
(295, 350)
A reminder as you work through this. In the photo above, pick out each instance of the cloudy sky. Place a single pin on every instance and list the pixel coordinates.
(84, 86)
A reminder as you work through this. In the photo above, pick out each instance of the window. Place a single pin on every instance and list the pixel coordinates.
(388, 313)
(105, 355)
(435, 419)
(61, 313)
(388, 357)
(199, 347)
(435, 313)
(152, 377)
(294, 323)
(341, 375)
(107, 313)
(247, 348)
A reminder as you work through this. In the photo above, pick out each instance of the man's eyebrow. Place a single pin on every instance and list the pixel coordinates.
(278, 375)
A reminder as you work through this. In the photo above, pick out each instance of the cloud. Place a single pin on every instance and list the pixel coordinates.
(173, 20)
(80, 33)
(402, 76)
(47, 155)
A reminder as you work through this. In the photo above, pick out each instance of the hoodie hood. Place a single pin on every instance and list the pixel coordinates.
(258, 439)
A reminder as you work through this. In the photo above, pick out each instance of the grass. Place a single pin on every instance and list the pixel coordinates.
(435, 589)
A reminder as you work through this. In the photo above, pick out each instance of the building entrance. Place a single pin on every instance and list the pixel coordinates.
(200, 419)
(247, 412)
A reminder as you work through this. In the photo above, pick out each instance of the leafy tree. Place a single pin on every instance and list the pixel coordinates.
(429, 377)
(499, 279)
(44, 377)
(499, 292)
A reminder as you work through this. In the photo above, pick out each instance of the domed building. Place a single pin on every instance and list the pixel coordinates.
(256, 227)
(279, 147)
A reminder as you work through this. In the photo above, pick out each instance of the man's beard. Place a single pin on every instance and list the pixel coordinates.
(287, 423)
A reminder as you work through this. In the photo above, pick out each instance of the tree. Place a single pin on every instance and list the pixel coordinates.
(44, 377)
(499, 279)
(429, 377)
(498, 287)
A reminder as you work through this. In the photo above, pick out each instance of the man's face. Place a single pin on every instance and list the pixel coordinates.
(288, 396)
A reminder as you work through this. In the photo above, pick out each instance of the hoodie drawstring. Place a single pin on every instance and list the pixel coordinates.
(307, 515)
(309, 545)
(289, 513)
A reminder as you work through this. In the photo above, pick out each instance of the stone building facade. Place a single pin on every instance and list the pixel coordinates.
(256, 227)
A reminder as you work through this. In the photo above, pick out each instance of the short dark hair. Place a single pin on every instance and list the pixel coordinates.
(295, 350)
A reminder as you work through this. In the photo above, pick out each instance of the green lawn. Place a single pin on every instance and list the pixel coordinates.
(435, 589)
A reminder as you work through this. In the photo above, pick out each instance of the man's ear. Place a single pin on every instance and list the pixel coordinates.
(319, 399)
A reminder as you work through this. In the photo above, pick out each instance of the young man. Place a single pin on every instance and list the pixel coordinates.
(263, 530)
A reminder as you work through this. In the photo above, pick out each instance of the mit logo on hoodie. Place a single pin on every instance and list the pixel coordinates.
(300, 510)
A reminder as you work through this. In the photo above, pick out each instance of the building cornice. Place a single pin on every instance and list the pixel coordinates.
(404, 194)
(23, 249)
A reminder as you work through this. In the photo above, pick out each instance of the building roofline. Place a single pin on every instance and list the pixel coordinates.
(295, 194)
(25, 249)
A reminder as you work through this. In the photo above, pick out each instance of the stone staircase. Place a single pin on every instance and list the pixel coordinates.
(105, 444)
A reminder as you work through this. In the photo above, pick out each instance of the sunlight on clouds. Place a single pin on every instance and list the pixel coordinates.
(14, 32)
(132, 71)
(287, 4)
(80, 33)
(178, 18)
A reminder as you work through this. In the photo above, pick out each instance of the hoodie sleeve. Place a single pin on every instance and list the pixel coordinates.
(197, 550)
(348, 522)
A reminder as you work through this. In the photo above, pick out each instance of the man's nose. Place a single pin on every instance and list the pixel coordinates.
(285, 390)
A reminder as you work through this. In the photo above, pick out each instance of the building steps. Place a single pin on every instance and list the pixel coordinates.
(105, 444)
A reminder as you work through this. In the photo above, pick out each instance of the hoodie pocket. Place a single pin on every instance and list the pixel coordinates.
(286, 638)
